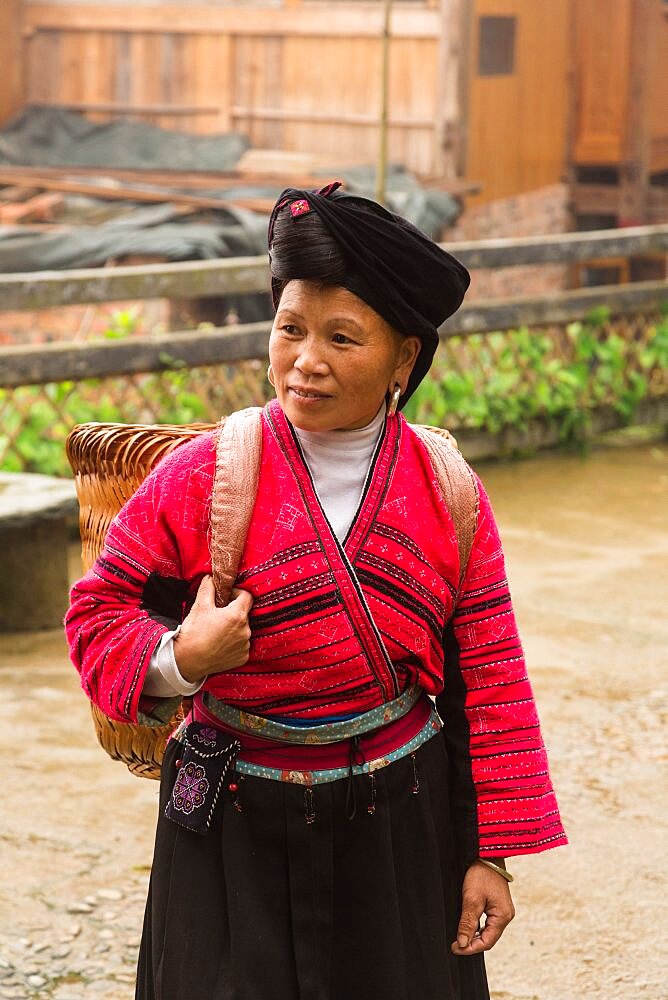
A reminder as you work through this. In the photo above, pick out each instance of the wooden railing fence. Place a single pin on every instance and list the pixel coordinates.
(222, 368)
(37, 364)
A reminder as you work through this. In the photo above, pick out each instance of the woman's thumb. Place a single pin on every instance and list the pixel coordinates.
(242, 599)
(206, 592)
(468, 925)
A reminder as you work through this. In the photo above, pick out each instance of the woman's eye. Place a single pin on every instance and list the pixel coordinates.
(289, 328)
(340, 338)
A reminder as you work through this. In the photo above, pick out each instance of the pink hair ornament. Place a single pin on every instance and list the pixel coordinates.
(300, 207)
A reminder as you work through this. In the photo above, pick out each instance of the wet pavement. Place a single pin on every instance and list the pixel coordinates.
(587, 549)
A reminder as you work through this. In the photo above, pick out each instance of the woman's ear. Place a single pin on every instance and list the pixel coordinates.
(409, 348)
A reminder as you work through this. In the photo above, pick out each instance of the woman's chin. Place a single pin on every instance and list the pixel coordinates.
(311, 413)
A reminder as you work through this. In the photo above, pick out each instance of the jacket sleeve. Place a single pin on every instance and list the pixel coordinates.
(502, 796)
(141, 585)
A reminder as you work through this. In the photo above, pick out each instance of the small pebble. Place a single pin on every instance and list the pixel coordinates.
(61, 952)
(91, 971)
(79, 908)
(91, 900)
(113, 895)
(74, 930)
(42, 946)
(124, 977)
(107, 933)
(109, 915)
(36, 981)
(103, 986)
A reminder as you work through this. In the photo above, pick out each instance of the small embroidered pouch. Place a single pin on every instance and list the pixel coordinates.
(207, 755)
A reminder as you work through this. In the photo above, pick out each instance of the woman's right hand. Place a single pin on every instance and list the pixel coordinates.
(213, 639)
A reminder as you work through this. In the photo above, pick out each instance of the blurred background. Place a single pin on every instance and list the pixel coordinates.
(140, 135)
(161, 132)
(142, 146)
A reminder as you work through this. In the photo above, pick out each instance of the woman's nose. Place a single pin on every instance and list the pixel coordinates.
(309, 359)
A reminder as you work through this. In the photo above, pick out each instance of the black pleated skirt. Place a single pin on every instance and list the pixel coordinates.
(267, 906)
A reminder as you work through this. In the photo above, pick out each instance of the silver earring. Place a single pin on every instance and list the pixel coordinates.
(270, 376)
(394, 401)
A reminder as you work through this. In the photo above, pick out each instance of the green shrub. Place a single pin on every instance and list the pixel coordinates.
(507, 381)
(517, 379)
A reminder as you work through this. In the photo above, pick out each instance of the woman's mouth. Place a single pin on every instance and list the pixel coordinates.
(307, 393)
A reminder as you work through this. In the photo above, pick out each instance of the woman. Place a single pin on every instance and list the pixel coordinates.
(322, 834)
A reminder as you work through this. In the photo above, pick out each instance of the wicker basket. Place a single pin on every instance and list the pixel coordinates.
(109, 462)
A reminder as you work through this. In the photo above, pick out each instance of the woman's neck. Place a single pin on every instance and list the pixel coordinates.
(358, 439)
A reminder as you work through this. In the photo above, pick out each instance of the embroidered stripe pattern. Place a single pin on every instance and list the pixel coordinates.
(502, 760)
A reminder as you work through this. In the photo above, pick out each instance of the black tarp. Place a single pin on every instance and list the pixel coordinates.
(157, 231)
(53, 137)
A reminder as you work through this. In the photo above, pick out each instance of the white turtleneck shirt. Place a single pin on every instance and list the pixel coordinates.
(339, 464)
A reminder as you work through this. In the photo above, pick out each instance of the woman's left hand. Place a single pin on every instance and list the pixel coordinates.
(484, 891)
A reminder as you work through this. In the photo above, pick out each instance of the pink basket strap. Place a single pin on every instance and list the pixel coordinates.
(238, 456)
(457, 486)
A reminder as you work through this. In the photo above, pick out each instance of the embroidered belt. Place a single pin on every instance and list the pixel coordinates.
(312, 764)
(320, 776)
(329, 732)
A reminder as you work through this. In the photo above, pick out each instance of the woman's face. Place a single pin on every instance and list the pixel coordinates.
(334, 358)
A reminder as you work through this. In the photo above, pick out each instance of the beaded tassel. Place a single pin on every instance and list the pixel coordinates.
(416, 781)
(309, 806)
(233, 789)
(371, 808)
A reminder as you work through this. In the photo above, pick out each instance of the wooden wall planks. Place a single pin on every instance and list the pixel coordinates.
(605, 81)
(291, 78)
(306, 20)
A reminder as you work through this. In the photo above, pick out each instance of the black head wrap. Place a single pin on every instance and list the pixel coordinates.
(380, 257)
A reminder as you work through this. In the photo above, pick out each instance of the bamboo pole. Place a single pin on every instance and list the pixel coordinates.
(381, 170)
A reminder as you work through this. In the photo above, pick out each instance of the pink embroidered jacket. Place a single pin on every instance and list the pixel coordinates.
(336, 628)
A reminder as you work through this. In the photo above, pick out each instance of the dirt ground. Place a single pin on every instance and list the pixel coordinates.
(587, 550)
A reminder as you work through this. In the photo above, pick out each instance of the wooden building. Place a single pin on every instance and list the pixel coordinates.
(513, 94)
(618, 142)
